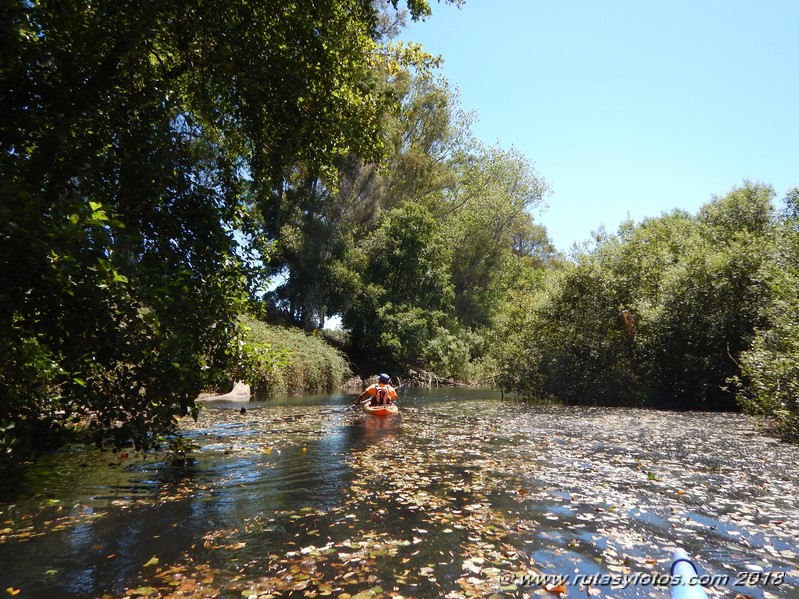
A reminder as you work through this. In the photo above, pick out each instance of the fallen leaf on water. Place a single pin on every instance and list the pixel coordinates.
(236, 546)
(471, 566)
(557, 589)
(153, 562)
(144, 591)
(13, 592)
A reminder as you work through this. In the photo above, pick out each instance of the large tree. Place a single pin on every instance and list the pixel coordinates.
(318, 219)
(405, 294)
(487, 216)
(131, 136)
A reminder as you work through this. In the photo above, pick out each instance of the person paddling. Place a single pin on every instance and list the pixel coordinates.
(381, 393)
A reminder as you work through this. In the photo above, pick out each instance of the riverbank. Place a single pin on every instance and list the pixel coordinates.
(288, 361)
(419, 379)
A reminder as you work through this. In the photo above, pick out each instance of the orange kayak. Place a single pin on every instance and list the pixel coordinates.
(388, 409)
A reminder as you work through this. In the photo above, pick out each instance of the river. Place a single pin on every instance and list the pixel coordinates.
(463, 494)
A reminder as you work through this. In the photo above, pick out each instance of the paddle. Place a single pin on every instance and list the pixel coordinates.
(355, 405)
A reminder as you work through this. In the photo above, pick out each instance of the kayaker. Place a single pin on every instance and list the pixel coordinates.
(381, 392)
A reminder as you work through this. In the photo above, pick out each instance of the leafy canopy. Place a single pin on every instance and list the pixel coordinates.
(132, 137)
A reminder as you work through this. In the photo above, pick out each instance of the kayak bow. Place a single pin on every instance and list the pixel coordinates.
(683, 572)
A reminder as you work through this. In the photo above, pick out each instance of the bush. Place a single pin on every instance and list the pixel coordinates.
(657, 314)
(286, 361)
(769, 385)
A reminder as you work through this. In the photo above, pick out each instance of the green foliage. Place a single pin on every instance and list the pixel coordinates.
(374, 243)
(656, 314)
(459, 354)
(406, 294)
(319, 217)
(286, 361)
(426, 138)
(769, 385)
(133, 138)
(569, 341)
(311, 251)
(487, 219)
(712, 298)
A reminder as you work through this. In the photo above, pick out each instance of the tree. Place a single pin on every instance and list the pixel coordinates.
(427, 137)
(317, 218)
(405, 293)
(658, 313)
(769, 381)
(487, 217)
(710, 303)
(132, 135)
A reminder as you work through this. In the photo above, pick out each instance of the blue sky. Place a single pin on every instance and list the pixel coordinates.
(628, 107)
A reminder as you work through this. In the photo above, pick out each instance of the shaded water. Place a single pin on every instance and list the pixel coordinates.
(458, 496)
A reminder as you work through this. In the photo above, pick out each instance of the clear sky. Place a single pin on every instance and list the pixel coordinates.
(628, 107)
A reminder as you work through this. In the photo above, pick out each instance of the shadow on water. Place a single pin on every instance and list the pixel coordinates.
(303, 497)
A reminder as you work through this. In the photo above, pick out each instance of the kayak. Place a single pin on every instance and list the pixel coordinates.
(685, 578)
(388, 409)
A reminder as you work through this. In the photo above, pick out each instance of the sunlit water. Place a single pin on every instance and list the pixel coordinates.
(460, 495)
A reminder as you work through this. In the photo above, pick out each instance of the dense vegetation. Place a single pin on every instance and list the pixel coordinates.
(654, 313)
(769, 378)
(290, 362)
(168, 168)
(415, 254)
(134, 140)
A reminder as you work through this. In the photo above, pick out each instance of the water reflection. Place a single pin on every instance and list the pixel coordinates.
(302, 495)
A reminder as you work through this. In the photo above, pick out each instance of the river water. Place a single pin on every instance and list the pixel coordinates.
(463, 494)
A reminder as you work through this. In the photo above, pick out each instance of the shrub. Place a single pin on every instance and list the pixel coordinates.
(287, 361)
